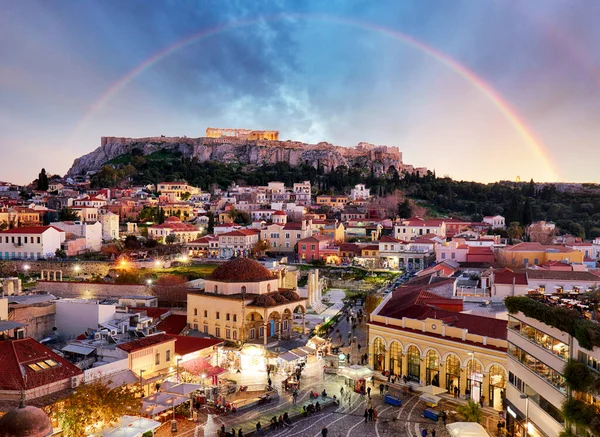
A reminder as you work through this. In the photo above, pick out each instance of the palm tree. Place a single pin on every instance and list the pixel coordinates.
(471, 412)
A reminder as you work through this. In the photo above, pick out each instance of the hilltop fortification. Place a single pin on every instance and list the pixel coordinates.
(244, 146)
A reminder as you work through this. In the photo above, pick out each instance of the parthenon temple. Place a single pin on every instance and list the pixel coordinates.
(245, 134)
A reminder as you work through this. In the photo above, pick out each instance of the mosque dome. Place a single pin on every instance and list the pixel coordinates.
(241, 270)
(25, 422)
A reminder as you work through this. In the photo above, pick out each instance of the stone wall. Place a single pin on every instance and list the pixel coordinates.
(12, 267)
(92, 290)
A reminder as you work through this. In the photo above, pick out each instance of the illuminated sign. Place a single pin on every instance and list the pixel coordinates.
(511, 412)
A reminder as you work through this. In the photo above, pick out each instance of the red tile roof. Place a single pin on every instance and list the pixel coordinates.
(388, 239)
(173, 324)
(240, 233)
(15, 355)
(145, 342)
(279, 213)
(241, 270)
(187, 345)
(29, 230)
(507, 276)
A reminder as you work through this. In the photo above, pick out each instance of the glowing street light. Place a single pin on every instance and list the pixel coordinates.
(77, 269)
(26, 267)
(149, 282)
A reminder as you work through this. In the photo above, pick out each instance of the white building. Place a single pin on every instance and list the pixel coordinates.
(496, 221)
(110, 226)
(76, 316)
(30, 242)
(90, 201)
(302, 190)
(176, 191)
(360, 192)
(92, 232)
(237, 243)
(416, 227)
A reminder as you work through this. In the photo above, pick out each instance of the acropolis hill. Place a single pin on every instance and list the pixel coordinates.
(250, 147)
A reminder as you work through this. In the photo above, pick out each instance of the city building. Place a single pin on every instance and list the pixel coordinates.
(239, 242)
(91, 232)
(110, 226)
(495, 221)
(417, 227)
(418, 333)
(360, 192)
(534, 253)
(183, 232)
(35, 242)
(243, 301)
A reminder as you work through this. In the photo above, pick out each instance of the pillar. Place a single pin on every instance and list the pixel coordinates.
(423, 369)
(266, 332)
(279, 325)
(404, 364)
(371, 361)
(60, 275)
(386, 359)
(41, 275)
(485, 388)
(443, 376)
(303, 324)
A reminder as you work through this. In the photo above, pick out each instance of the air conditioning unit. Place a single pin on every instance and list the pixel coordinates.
(74, 382)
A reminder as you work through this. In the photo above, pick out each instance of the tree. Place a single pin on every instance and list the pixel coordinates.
(171, 239)
(94, 406)
(132, 243)
(405, 209)
(42, 181)
(67, 214)
(515, 231)
(3, 225)
(60, 253)
(371, 302)
(527, 213)
(470, 412)
(260, 248)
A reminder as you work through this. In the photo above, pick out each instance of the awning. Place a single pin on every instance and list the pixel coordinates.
(118, 379)
(159, 402)
(6, 325)
(199, 366)
(132, 426)
(77, 349)
(431, 390)
(301, 352)
(466, 429)
(288, 356)
(430, 399)
(181, 389)
(355, 372)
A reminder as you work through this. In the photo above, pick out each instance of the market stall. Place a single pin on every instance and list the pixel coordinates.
(466, 429)
(131, 426)
(356, 376)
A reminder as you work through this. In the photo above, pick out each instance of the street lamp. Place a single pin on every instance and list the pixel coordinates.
(526, 397)
(149, 282)
(77, 269)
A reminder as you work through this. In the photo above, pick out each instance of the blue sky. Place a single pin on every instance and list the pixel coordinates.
(304, 68)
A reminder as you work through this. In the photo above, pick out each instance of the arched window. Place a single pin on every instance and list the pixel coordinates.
(218, 315)
(414, 363)
(474, 379)
(227, 317)
(243, 288)
(268, 288)
(205, 313)
(235, 317)
(433, 368)
(452, 373)
(395, 358)
(378, 354)
(497, 386)
(195, 311)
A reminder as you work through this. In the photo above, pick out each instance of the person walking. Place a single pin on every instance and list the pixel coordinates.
(341, 391)
(371, 414)
(424, 433)
(375, 414)
(433, 433)
(269, 381)
(240, 433)
(366, 415)
(444, 417)
(324, 432)
(369, 392)
(259, 430)
(381, 389)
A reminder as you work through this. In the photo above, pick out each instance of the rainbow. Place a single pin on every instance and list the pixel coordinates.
(486, 89)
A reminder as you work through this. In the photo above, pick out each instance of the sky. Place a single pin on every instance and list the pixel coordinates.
(478, 90)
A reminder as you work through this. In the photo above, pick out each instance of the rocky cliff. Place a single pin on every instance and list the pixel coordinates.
(243, 151)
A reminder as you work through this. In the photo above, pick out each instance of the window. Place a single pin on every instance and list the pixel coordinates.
(443, 255)
(243, 289)
(268, 288)
(206, 329)
(217, 332)
(453, 255)
(235, 335)
(157, 359)
(39, 240)
(313, 247)
(227, 317)
(235, 317)
(526, 261)
(205, 313)
(536, 366)
(195, 311)
(196, 326)
(218, 315)
(168, 356)
(228, 334)
(287, 235)
(251, 334)
(304, 247)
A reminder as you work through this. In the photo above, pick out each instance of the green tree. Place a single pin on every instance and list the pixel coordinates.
(371, 302)
(515, 231)
(527, 213)
(94, 406)
(67, 214)
(171, 239)
(470, 412)
(59, 253)
(42, 181)
(405, 209)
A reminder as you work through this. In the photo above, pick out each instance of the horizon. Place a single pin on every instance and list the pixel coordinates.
(483, 92)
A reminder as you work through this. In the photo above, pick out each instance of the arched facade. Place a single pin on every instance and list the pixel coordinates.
(432, 368)
(413, 359)
(453, 372)
(395, 364)
(378, 354)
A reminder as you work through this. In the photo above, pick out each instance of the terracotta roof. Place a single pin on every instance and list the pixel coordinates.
(187, 345)
(16, 355)
(145, 342)
(536, 247)
(279, 213)
(173, 324)
(388, 239)
(172, 219)
(30, 230)
(507, 276)
(561, 275)
(317, 238)
(241, 270)
(485, 250)
(240, 233)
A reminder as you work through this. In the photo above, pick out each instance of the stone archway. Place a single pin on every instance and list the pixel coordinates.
(378, 354)
(253, 326)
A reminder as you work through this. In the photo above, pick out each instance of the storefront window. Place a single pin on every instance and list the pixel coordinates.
(452, 373)
(433, 368)
(378, 354)
(540, 338)
(414, 363)
(395, 358)
(538, 367)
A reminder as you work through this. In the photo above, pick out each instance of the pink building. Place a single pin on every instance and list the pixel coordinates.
(313, 248)
(454, 250)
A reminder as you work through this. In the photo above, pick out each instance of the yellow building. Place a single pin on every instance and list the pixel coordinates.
(150, 357)
(526, 254)
(332, 201)
(423, 336)
(370, 251)
(244, 302)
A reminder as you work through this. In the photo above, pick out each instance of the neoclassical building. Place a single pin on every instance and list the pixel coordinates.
(245, 302)
(422, 335)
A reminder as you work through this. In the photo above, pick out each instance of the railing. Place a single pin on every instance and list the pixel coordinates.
(468, 291)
